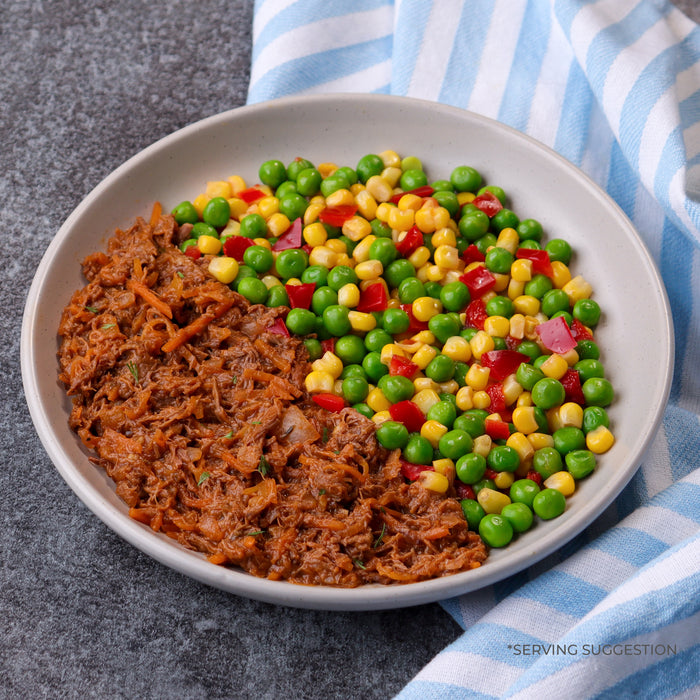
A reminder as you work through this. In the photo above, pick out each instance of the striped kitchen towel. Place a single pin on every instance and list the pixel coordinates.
(614, 86)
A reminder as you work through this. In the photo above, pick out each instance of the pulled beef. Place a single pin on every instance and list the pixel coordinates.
(199, 415)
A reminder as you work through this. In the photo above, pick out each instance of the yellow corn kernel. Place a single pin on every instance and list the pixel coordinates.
(391, 159)
(324, 256)
(364, 284)
(263, 242)
(524, 419)
(504, 480)
(481, 342)
(577, 288)
(509, 239)
(381, 417)
(482, 445)
(361, 251)
(454, 275)
(464, 398)
(555, 366)
(465, 198)
(562, 482)
(356, 228)
(477, 377)
(457, 348)
(600, 440)
(571, 415)
(237, 184)
(521, 270)
(526, 304)
(435, 273)
(223, 268)
(377, 401)
(277, 224)
(389, 350)
(392, 175)
(218, 188)
(337, 246)
(267, 206)
(444, 236)
(447, 257)
(571, 357)
(338, 387)
(319, 381)
(553, 419)
(445, 466)
(531, 323)
(424, 336)
(516, 326)
(326, 169)
(271, 281)
(330, 363)
(432, 431)
(423, 356)
(511, 389)
(361, 321)
(448, 387)
(492, 501)
(349, 295)
(481, 399)
(209, 245)
(424, 308)
(410, 201)
(521, 445)
(502, 282)
(401, 220)
(232, 228)
(497, 326)
(315, 234)
(339, 198)
(312, 212)
(525, 399)
(426, 399)
(420, 383)
(380, 189)
(293, 281)
(366, 204)
(238, 208)
(434, 481)
(515, 289)
(369, 269)
(560, 274)
(422, 273)
(540, 440)
(383, 209)
(419, 256)
(199, 202)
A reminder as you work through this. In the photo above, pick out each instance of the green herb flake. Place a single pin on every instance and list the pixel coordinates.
(131, 366)
(107, 326)
(257, 532)
(359, 564)
(379, 539)
(234, 379)
(92, 309)
(264, 466)
(202, 478)
(321, 492)
(255, 422)
(229, 434)
(324, 437)
(180, 274)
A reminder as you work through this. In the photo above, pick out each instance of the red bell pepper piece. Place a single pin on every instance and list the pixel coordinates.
(412, 471)
(409, 414)
(300, 294)
(579, 331)
(490, 473)
(291, 238)
(402, 367)
(414, 325)
(373, 298)
(330, 402)
(328, 345)
(479, 280)
(235, 246)
(498, 401)
(250, 195)
(279, 327)
(476, 314)
(410, 242)
(338, 215)
(571, 381)
(464, 491)
(488, 203)
(556, 336)
(193, 252)
(535, 476)
(424, 191)
(472, 254)
(502, 362)
(497, 429)
(541, 264)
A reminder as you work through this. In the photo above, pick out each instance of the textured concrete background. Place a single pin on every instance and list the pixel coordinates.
(84, 85)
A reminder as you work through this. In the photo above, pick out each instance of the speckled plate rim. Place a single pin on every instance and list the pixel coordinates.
(399, 121)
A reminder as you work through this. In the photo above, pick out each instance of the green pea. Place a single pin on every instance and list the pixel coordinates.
(460, 375)
(350, 349)
(529, 229)
(470, 423)
(594, 417)
(524, 491)
(411, 163)
(443, 412)
(301, 321)
(341, 275)
(384, 250)
(495, 530)
(410, 289)
(465, 179)
(380, 228)
(277, 296)
(473, 512)
(374, 367)
(580, 463)
(397, 271)
(559, 250)
(519, 516)
(529, 348)
(548, 393)
(364, 410)
(322, 298)
(395, 321)
(450, 398)
(442, 186)
(505, 218)
(187, 243)
(589, 368)
(376, 339)
(314, 348)
(335, 320)
(272, 173)
(447, 199)
(297, 166)
(503, 458)
(468, 333)
(587, 311)
(392, 435)
(554, 300)
(308, 182)
(484, 484)
(353, 371)
(538, 286)
(587, 350)
(433, 289)
(546, 461)
(499, 260)
(254, 290)
(549, 503)
(485, 242)
(368, 166)
(253, 226)
(455, 443)
(529, 245)
(470, 468)
(411, 179)
(473, 225)
(396, 388)
(418, 450)
(355, 389)
(349, 173)
(568, 439)
(499, 306)
(498, 192)
(337, 181)
(258, 257)
(527, 376)
(316, 274)
(598, 391)
(201, 228)
(454, 296)
(440, 369)
(185, 213)
(287, 187)
(291, 263)
(444, 326)
(293, 205)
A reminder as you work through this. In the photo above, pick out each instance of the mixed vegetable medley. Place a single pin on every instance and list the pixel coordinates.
(433, 309)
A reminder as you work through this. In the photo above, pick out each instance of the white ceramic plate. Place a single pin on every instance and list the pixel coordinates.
(637, 353)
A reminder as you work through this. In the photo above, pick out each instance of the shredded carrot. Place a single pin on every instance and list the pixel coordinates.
(394, 574)
(149, 296)
(155, 213)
